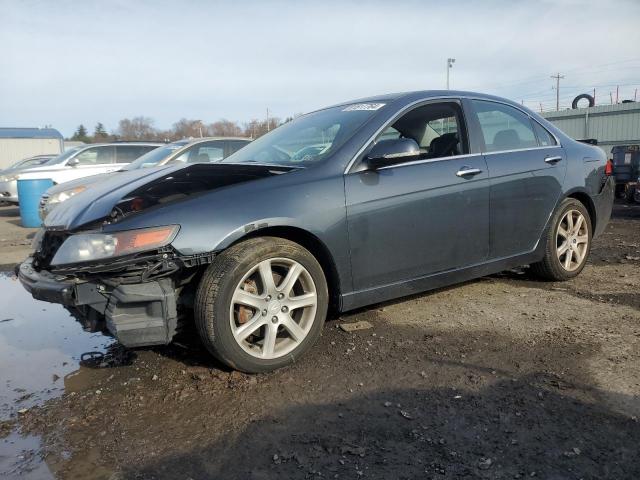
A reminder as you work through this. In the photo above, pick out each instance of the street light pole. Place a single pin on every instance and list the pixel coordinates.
(450, 62)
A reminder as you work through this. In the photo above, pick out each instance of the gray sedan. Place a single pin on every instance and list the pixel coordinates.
(399, 194)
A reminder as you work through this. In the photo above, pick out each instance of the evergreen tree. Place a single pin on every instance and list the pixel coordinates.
(99, 133)
(80, 134)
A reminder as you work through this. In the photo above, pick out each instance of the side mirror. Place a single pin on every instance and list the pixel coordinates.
(392, 152)
(74, 162)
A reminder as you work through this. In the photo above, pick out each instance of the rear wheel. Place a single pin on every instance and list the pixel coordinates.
(261, 304)
(568, 243)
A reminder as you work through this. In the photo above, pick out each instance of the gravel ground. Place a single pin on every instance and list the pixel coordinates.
(503, 377)
(15, 240)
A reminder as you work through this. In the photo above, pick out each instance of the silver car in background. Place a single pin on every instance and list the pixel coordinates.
(9, 175)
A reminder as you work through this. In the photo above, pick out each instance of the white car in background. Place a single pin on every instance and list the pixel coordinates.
(79, 162)
(194, 150)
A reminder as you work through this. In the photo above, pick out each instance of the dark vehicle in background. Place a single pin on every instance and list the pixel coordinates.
(398, 194)
(626, 170)
(210, 149)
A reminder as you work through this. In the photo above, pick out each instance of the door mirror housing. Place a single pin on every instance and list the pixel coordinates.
(392, 152)
(74, 162)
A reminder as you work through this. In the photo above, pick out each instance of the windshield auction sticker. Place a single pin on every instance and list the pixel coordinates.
(363, 106)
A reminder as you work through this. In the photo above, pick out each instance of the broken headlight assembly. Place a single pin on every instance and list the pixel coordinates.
(86, 247)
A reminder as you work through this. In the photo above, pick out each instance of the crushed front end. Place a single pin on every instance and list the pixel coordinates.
(139, 298)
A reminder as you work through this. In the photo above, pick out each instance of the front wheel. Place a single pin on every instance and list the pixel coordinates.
(568, 243)
(261, 304)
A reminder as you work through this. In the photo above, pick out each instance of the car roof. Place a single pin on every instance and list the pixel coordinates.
(422, 94)
(192, 141)
(106, 144)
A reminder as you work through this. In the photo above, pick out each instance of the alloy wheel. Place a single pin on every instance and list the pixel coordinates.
(273, 308)
(572, 240)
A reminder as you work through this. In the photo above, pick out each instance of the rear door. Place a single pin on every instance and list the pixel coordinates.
(527, 167)
(423, 217)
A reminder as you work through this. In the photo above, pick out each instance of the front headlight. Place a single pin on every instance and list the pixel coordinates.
(65, 194)
(85, 247)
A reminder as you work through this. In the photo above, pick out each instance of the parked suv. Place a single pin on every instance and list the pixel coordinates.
(400, 194)
(80, 162)
(211, 149)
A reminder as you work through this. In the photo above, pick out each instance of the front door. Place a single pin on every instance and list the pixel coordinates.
(527, 169)
(423, 217)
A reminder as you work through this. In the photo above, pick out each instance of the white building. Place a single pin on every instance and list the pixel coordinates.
(19, 143)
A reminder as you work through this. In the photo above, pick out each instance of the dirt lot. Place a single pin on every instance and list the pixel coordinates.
(503, 377)
(15, 240)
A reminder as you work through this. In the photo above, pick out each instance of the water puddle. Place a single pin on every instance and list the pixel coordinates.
(41, 346)
(20, 458)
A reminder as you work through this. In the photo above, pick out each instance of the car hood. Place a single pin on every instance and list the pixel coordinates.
(17, 170)
(44, 169)
(132, 192)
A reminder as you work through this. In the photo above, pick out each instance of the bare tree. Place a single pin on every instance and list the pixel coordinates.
(137, 128)
(257, 128)
(185, 128)
(224, 128)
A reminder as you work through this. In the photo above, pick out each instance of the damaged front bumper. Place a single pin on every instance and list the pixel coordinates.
(136, 314)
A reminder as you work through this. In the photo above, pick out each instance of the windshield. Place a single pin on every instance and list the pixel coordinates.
(30, 162)
(307, 140)
(63, 156)
(154, 157)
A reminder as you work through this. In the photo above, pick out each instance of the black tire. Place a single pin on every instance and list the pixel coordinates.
(550, 268)
(630, 193)
(582, 96)
(215, 292)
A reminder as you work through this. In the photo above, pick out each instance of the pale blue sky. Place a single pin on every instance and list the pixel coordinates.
(67, 62)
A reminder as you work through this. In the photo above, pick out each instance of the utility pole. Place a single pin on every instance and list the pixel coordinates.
(267, 119)
(557, 77)
(450, 62)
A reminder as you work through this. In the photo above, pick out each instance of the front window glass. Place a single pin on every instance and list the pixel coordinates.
(307, 140)
(436, 128)
(96, 156)
(504, 127)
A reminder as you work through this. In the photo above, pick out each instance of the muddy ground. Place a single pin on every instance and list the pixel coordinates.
(503, 377)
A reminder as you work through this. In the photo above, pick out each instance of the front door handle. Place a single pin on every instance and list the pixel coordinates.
(468, 172)
(552, 160)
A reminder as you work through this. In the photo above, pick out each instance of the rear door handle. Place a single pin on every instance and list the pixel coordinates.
(468, 172)
(552, 160)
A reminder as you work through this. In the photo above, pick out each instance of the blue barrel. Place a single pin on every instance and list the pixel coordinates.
(29, 193)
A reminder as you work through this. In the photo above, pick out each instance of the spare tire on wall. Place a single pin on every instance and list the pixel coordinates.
(592, 101)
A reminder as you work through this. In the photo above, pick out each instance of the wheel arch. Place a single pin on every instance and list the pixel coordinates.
(584, 198)
(317, 248)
